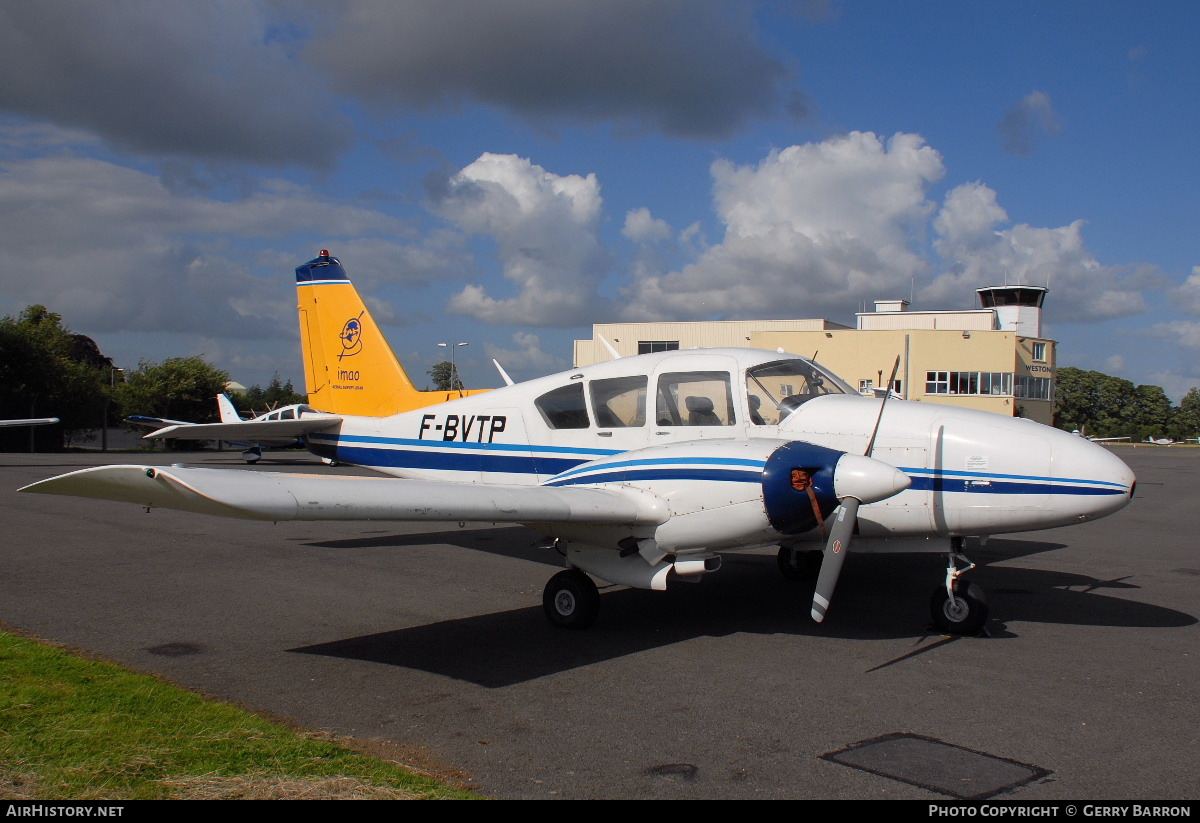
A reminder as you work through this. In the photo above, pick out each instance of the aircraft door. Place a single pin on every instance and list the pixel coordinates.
(693, 398)
(621, 410)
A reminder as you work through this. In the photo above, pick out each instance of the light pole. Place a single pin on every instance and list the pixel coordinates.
(112, 385)
(455, 383)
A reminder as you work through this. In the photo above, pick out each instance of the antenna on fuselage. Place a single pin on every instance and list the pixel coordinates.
(616, 355)
(508, 381)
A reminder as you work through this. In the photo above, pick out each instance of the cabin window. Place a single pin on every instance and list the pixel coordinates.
(698, 398)
(564, 407)
(287, 414)
(619, 402)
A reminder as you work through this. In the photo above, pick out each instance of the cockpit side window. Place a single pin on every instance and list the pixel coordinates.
(564, 408)
(619, 402)
(699, 398)
(775, 390)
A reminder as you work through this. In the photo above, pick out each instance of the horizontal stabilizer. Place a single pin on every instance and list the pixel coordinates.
(249, 430)
(154, 422)
(278, 496)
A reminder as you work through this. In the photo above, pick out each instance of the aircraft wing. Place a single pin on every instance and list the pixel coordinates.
(277, 496)
(30, 421)
(248, 430)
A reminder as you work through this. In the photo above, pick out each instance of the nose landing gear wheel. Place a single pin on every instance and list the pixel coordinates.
(571, 600)
(965, 613)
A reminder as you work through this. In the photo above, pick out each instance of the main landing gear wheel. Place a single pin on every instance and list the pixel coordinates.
(797, 564)
(966, 613)
(571, 600)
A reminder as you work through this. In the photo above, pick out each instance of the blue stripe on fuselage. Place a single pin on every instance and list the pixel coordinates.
(964, 475)
(503, 458)
(984, 484)
(673, 473)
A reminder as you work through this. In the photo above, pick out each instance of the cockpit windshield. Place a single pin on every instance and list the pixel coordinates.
(775, 390)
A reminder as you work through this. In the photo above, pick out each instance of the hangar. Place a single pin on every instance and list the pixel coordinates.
(992, 358)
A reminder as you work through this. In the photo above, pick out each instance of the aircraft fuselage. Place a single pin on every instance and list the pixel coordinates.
(624, 422)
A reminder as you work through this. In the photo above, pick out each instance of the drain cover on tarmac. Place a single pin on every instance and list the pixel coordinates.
(937, 766)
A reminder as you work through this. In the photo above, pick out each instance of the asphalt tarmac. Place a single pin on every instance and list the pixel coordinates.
(431, 637)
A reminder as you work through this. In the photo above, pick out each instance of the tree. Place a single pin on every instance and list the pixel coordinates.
(1105, 406)
(445, 377)
(46, 371)
(179, 388)
(1185, 421)
(256, 399)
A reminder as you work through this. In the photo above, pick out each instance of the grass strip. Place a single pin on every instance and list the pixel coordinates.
(72, 727)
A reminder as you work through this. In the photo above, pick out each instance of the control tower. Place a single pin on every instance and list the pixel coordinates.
(1018, 308)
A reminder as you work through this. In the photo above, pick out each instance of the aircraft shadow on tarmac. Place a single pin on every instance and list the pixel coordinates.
(879, 597)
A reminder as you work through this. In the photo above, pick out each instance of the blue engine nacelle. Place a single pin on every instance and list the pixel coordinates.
(732, 493)
(797, 482)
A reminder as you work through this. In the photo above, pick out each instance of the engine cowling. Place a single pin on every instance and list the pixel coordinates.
(733, 493)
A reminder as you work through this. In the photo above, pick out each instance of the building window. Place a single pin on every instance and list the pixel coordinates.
(1039, 352)
(866, 387)
(1035, 388)
(968, 382)
(649, 346)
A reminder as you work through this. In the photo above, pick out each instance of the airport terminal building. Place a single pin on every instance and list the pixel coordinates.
(992, 358)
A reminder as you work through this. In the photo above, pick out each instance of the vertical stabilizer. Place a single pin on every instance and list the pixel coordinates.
(349, 368)
(228, 412)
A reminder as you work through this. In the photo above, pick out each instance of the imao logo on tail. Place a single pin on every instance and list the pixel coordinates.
(351, 337)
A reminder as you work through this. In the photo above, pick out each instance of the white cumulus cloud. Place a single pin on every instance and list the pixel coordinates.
(977, 250)
(810, 230)
(546, 230)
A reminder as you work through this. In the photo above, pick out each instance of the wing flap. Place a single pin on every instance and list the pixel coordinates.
(278, 496)
(249, 430)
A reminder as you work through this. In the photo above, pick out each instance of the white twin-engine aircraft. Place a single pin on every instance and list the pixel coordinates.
(643, 469)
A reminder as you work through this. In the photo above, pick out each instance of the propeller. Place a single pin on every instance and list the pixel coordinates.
(856, 492)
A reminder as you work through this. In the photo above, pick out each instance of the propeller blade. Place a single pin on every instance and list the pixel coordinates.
(883, 484)
(835, 553)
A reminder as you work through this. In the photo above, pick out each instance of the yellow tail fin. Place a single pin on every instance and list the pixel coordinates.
(349, 368)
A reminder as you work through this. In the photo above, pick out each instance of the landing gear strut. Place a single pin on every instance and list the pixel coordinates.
(958, 607)
(571, 600)
(799, 564)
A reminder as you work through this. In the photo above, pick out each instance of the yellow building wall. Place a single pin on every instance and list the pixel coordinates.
(858, 355)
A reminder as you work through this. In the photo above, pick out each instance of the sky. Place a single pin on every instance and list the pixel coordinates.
(506, 174)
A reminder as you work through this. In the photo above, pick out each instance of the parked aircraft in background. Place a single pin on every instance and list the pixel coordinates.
(643, 469)
(237, 431)
(1160, 441)
(1095, 439)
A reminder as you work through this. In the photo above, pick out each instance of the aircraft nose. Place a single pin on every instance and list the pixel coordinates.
(1101, 481)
